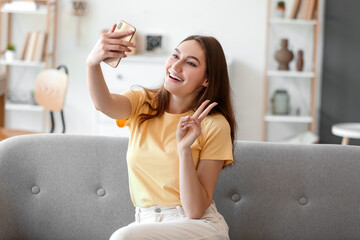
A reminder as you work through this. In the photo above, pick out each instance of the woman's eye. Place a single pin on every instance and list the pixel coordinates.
(175, 56)
(191, 64)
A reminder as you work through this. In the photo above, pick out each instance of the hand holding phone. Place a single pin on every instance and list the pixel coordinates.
(121, 27)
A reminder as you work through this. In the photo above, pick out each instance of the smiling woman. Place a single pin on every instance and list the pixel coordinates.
(181, 136)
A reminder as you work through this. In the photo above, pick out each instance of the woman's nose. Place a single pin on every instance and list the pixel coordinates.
(177, 66)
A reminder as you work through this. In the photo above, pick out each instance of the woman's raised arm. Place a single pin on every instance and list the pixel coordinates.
(109, 45)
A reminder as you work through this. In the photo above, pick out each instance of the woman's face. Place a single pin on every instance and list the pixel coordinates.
(186, 70)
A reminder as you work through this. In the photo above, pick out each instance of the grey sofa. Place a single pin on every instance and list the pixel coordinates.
(76, 187)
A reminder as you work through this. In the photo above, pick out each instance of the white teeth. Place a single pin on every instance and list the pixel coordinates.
(176, 77)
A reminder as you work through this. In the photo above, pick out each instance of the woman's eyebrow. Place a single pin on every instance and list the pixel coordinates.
(195, 58)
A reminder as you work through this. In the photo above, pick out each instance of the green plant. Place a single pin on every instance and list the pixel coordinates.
(281, 4)
(11, 47)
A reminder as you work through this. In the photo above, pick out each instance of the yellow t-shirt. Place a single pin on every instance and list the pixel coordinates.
(152, 157)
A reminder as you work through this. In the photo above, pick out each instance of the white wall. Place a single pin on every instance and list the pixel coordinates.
(239, 25)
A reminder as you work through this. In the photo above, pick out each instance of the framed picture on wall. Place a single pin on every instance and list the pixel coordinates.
(154, 43)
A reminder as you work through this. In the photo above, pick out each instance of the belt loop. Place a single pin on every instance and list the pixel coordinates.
(180, 210)
(137, 215)
(157, 217)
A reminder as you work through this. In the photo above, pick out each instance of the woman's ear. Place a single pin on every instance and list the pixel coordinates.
(206, 82)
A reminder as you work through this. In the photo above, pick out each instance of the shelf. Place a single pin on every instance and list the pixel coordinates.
(22, 63)
(42, 10)
(23, 107)
(275, 73)
(147, 58)
(288, 118)
(293, 21)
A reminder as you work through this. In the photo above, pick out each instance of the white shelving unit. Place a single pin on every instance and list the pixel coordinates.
(22, 63)
(301, 85)
(23, 107)
(290, 74)
(290, 119)
(41, 11)
(292, 21)
(47, 12)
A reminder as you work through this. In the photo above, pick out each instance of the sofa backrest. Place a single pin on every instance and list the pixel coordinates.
(56, 186)
(63, 187)
(283, 191)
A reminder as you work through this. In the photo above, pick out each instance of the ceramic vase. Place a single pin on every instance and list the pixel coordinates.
(284, 55)
(9, 55)
(300, 60)
(280, 102)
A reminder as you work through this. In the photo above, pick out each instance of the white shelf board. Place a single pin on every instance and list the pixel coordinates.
(288, 118)
(23, 107)
(22, 63)
(147, 58)
(292, 21)
(277, 73)
(40, 11)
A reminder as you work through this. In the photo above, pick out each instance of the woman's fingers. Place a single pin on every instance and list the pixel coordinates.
(200, 109)
(200, 113)
(117, 41)
(206, 111)
(117, 48)
(112, 29)
(119, 34)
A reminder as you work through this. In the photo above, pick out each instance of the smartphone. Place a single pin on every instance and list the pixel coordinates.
(122, 26)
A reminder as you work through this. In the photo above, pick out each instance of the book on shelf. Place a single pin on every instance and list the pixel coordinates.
(39, 48)
(30, 46)
(34, 47)
(23, 50)
(303, 9)
(294, 7)
(311, 9)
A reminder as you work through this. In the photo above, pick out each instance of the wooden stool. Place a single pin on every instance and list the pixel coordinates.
(347, 131)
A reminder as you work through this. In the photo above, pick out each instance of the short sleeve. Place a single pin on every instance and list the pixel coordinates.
(136, 98)
(216, 142)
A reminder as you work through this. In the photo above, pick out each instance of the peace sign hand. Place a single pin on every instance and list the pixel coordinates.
(189, 127)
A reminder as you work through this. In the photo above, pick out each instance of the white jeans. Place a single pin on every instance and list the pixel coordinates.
(171, 223)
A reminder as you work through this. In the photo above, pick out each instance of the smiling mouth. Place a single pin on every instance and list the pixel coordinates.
(175, 78)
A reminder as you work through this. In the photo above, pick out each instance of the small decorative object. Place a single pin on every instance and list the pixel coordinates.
(284, 55)
(78, 10)
(10, 52)
(300, 60)
(154, 43)
(280, 102)
(280, 9)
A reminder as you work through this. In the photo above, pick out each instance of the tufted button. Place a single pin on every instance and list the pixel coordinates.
(35, 189)
(303, 201)
(235, 197)
(158, 210)
(101, 192)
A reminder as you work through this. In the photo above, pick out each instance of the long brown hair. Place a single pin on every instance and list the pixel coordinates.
(218, 89)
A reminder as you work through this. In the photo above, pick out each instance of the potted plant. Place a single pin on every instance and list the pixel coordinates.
(280, 9)
(10, 52)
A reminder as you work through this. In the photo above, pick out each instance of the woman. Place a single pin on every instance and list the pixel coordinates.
(181, 136)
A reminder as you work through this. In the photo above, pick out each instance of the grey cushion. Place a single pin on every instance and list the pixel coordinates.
(55, 186)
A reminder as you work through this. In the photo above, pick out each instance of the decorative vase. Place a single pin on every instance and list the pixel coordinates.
(9, 55)
(280, 102)
(300, 60)
(279, 12)
(284, 55)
